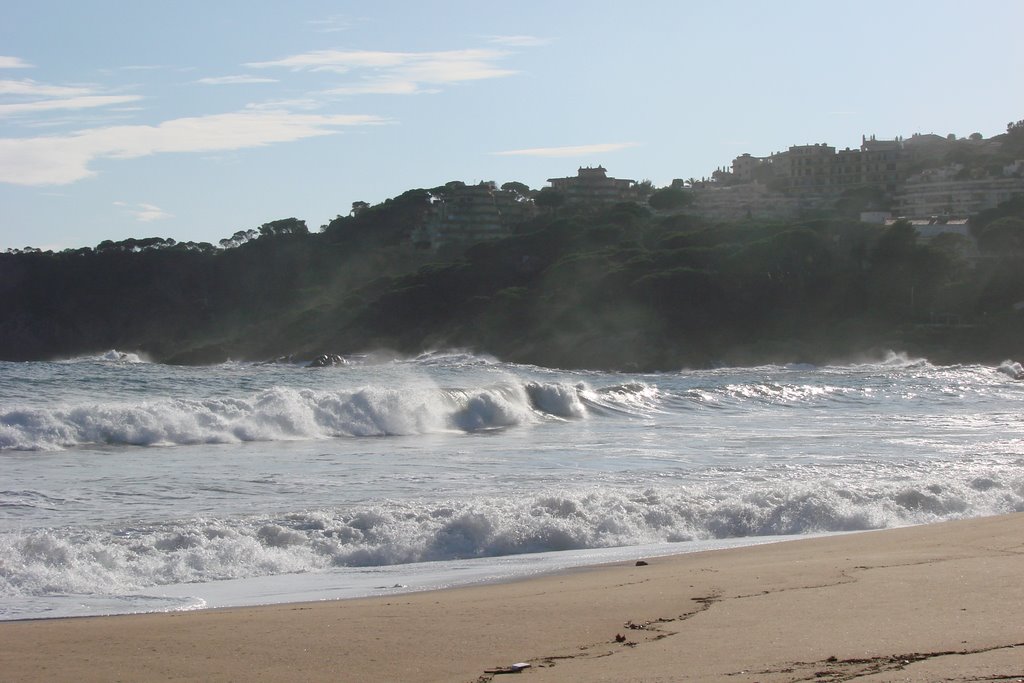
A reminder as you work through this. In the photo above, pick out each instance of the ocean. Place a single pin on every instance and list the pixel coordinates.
(128, 486)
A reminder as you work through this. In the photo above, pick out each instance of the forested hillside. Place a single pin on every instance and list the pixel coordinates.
(623, 287)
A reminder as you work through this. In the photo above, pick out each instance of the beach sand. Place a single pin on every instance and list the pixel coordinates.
(942, 602)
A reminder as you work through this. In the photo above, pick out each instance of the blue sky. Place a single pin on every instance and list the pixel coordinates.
(193, 120)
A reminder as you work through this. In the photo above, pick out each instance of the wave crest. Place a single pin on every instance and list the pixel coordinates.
(49, 561)
(287, 414)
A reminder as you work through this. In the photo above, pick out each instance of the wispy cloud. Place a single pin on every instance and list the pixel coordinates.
(63, 159)
(305, 103)
(381, 87)
(396, 73)
(235, 80)
(35, 101)
(142, 67)
(578, 150)
(7, 62)
(518, 41)
(340, 61)
(35, 89)
(332, 24)
(79, 119)
(145, 213)
(85, 102)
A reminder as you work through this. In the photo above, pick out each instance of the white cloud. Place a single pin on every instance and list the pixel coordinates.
(235, 80)
(396, 72)
(142, 67)
(332, 24)
(7, 62)
(455, 67)
(34, 89)
(579, 150)
(306, 103)
(145, 213)
(335, 60)
(84, 102)
(59, 160)
(382, 87)
(26, 96)
(518, 41)
(150, 212)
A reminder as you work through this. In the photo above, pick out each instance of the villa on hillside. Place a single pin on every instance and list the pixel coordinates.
(818, 175)
(942, 192)
(744, 201)
(593, 186)
(820, 168)
(471, 213)
(883, 176)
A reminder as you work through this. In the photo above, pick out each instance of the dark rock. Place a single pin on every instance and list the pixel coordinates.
(327, 360)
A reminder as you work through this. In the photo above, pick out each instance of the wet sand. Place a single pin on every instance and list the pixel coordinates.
(942, 602)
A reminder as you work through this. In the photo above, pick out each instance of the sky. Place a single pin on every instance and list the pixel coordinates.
(195, 119)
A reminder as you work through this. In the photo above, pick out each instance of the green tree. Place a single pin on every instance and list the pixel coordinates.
(670, 199)
(1003, 235)
(549, 198)
(896, 244)
(521, 190)
(285, 226)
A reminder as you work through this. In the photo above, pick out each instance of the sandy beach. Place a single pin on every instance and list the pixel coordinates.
(940, 602)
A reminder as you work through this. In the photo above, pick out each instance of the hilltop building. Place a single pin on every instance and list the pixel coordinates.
(744, 167)
(818, 174)
(467, 214)
(593, 186)
(819, 168)
(881, 179)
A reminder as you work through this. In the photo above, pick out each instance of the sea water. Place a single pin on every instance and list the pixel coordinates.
(129, 486)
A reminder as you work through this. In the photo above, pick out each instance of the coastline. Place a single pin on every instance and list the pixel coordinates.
(924, 603)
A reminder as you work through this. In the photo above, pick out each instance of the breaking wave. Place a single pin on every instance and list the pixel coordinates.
(113, 561)
(282, 414)
(412, 407)
(1011, 369)
(112, 356)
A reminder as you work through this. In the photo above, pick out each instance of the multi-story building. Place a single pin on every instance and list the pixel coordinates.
(745, 167)
(941, 192)
(883, 162)
(821, 169)
(471, 213)
(807, 167)
(593, 186)
(745, 200)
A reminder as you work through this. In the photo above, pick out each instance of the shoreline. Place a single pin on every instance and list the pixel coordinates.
(932, 602)
(349, 583)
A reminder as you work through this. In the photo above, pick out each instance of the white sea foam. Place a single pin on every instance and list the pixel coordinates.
(557, 399)
(418, 406)
(1011, 369)
(113, 356)
(117, 560)
(283, 414)
(266, 471)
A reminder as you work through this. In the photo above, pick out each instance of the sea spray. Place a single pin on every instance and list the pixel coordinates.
(109, 560)
(123, 479)
(283, 414)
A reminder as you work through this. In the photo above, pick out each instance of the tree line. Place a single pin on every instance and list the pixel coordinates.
(628, 286)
